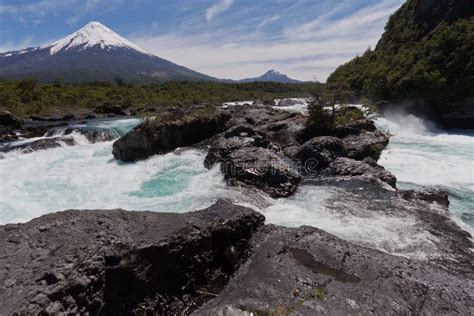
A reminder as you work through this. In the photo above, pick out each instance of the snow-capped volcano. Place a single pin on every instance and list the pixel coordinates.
(93, 53)
(93, 34)
(272, 76)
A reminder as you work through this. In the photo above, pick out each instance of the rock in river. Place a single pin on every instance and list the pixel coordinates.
(350, 167)
(366, 144)
(263, 169)
(163, 135)
(322, 149)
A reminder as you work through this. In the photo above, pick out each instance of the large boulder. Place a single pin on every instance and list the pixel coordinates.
(235, 138)
(290, 102)
(166, 134)
(40, 144)
(107, 108)
(366, 144)
(354, 128)
(8, 119)
(115, 262)
(350, 168)
(306, 271)
(263, 169)
(93, 134)
(281, 127)
(322, 150)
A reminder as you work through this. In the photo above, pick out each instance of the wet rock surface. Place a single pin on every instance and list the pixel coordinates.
(306, 271)
(262, 135)
(93, 134)
(40, 144)
(281, 127)
(426, 222)
(235, 138)
(366, 144)
(166, 134)
(323, 150)
(120, 262)
(263, 169)
(350, 167)
(223, 259)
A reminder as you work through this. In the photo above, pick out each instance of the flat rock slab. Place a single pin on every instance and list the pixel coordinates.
(121, 262)
(306, 271)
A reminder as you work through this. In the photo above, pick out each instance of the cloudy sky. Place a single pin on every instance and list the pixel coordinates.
(306, 39)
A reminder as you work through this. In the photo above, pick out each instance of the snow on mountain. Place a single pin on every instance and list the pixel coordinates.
(93, 53)
(272, 76)
(93, 34)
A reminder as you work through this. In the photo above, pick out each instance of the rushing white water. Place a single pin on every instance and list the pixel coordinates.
(421, 154)
(86, 176)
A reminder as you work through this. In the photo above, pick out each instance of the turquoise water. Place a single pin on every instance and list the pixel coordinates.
(86, 176)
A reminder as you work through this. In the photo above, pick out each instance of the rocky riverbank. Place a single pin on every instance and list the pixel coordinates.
(262, 147)
(224, 260)
(221, 260)
(13, 128)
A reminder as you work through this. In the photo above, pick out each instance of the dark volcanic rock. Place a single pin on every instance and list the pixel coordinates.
(117, 262)
(108, 108)
(93, 134)
(366, 144)
(159, 137)
(8, 119)
(40, 144)
(237, 137)
(351, 167)
(322, 149)
(354, 128)
(8, 134)
(263, 169)
(290, 102)
(306, 271)
(281, 127)
(428, 194)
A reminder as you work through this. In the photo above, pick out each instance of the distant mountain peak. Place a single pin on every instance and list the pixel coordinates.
(272, 76)
(272, 72)
(91, 35)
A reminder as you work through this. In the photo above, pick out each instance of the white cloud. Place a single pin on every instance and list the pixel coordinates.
(358, 24)
(217, 8)
(313, 48)
(301, 60)
(268, 20)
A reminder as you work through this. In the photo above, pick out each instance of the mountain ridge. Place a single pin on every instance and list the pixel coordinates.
(271, 76)
(93, 53)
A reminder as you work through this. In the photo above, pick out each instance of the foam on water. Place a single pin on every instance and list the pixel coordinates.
(352, 220)
(421, 154)
(87, 177)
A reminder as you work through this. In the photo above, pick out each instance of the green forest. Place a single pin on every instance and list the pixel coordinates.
(29, 97)
(425, 55)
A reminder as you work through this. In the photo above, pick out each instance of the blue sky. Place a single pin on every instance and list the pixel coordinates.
(305, 39)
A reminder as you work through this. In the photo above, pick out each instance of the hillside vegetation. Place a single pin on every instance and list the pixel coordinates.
(425, 56)
(28, 97)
